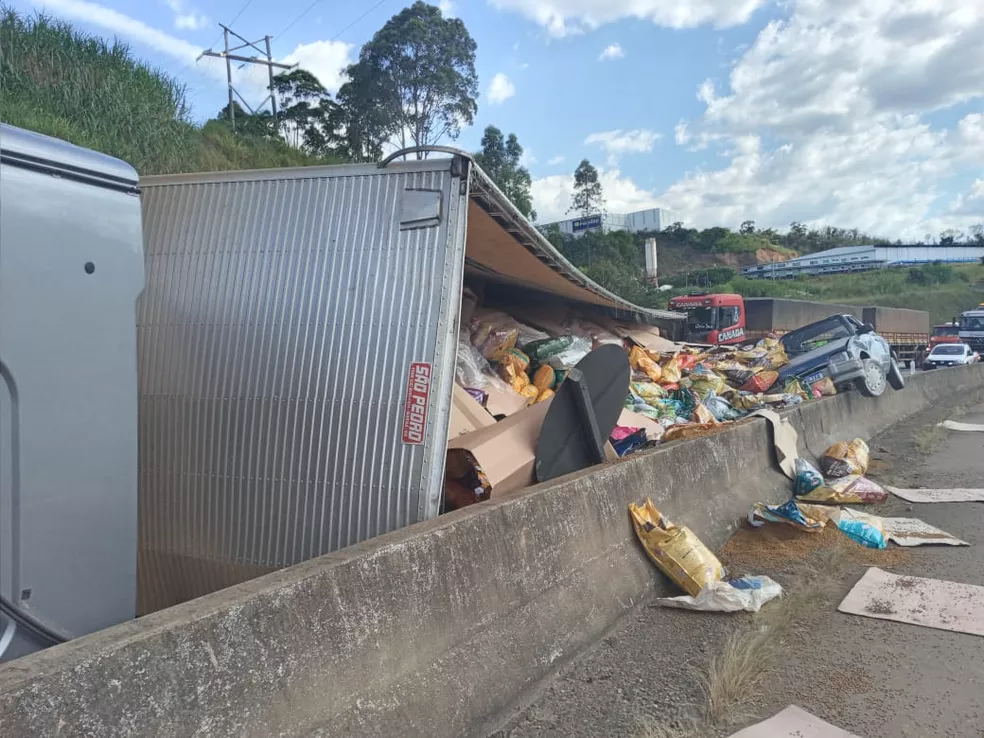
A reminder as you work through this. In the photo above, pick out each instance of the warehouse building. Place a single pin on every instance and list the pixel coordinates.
(654, 219)
(864, 258)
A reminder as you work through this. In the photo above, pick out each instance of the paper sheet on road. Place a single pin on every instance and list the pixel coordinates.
(938, 495)
(793, 722)
(902, 531)
(932, 603)
(966, 427)
(784, 438)
(915, 532)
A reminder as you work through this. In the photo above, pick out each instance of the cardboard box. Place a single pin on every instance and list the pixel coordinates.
(467, 414)
(504, 402)
(506, 451)
(629, 419)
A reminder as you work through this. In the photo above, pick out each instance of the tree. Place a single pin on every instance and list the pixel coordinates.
(499, 158)
(588, 197)
(414, 79)
(305, 114)
(247, 124)
(977, 234)
(747, 228)
(950, 236)
(365, 123)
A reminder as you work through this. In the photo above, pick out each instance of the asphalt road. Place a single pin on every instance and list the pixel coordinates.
(871, 677)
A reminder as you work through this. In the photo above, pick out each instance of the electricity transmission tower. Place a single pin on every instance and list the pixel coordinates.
(230, 57)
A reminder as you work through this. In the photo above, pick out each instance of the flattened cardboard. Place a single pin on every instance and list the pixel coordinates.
(646, 336)
(504, 401)
(784, 438)
(932, 603)
(793, 722)
(467, 414)
(629, 419)
(938, 495)
(506, 451)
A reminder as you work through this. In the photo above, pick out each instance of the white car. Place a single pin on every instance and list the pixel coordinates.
(950, 354)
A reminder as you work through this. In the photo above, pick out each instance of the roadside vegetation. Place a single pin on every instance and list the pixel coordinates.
(92, 92)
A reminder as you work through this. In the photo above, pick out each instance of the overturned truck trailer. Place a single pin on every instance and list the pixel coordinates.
(298, 326)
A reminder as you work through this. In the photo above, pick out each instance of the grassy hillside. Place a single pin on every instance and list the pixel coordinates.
(94, 93)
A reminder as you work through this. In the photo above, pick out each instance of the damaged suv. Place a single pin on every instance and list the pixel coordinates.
(846, 350)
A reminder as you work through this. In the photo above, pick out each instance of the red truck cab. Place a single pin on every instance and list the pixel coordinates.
(944, 333)
(714, 319)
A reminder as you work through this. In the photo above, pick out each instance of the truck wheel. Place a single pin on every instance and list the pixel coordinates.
(872, 383)
(895, 376)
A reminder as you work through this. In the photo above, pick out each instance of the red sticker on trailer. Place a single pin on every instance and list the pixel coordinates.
(415, 411)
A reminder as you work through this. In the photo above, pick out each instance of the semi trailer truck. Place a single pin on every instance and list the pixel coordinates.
(723, 319)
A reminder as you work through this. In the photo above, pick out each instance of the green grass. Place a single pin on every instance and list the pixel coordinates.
(92, 92)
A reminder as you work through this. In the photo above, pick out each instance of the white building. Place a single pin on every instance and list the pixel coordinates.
(654, 219)
(864, 258)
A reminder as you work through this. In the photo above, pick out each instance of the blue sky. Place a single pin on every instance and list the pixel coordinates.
(858, 113)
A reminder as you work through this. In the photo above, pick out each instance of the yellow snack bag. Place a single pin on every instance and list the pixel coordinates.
(675, 549)
(845, 458)
(520, 382)
(530, 392)
(545, 395)
(544, 378)
(672, 372)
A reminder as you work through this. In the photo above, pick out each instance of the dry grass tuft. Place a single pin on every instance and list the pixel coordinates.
(731, 683)
(929, 438)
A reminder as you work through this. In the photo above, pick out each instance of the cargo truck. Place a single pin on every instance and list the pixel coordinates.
(297, 340)
(972, 328)
(292, 357)
(723, 319)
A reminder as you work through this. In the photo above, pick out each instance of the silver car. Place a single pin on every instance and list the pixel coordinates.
(846, 350)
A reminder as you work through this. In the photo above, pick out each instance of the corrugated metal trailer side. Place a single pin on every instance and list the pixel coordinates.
(284, 313)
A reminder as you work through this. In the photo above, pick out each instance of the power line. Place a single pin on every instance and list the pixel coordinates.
(232, 22)
(304, 12)
(311, 7)
(374, 7)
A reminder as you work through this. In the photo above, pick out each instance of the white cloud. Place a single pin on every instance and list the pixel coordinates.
(612, 51)
(326, 60)
(618, 142)
(121, 24)
(185, 17)
(823, 119)
(552, 195)
(447, 8)
(500, 89)
(556, 160)
(834, 62)
(564, 17)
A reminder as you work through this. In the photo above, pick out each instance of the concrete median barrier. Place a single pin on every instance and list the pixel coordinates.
(437, 629)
